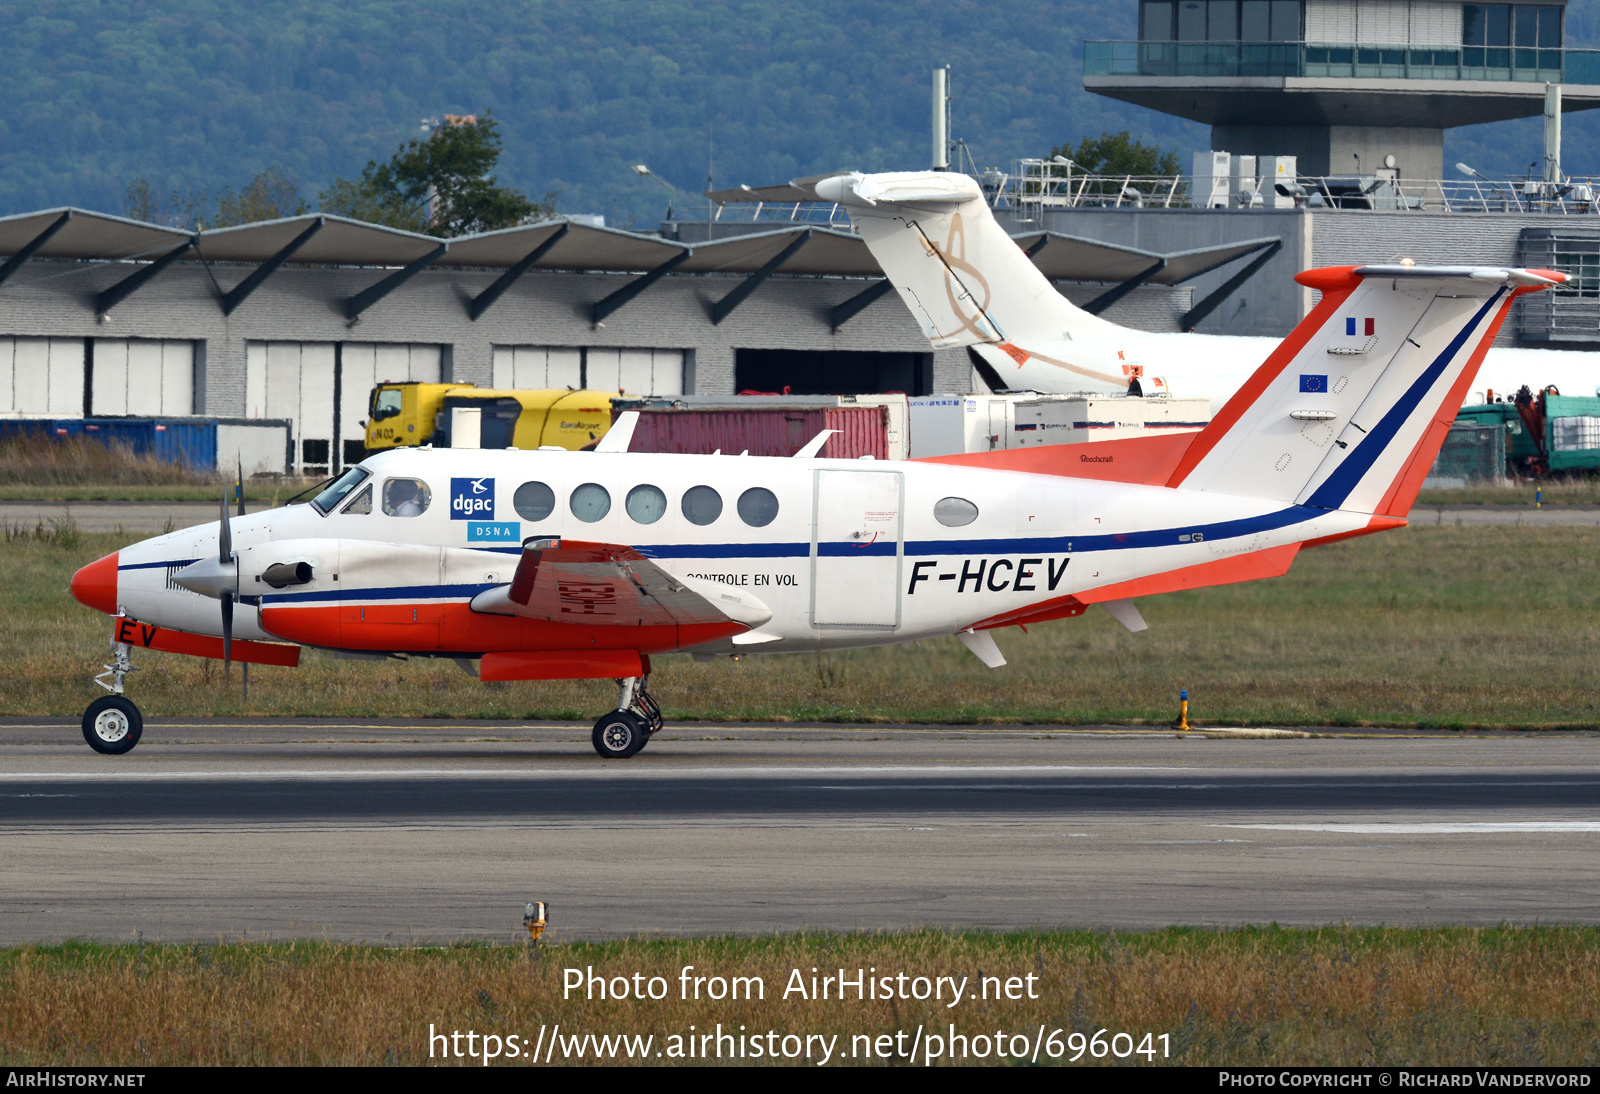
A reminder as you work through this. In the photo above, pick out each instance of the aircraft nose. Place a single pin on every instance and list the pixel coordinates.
(96, 585)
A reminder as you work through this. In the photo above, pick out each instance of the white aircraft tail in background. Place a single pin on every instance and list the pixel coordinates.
(967, 283)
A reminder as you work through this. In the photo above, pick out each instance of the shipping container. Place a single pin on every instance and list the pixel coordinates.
(1572, 432)
(766, 432)
(261, 446)
(770, 425)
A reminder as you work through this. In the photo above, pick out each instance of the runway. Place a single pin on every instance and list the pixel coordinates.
(441, 830)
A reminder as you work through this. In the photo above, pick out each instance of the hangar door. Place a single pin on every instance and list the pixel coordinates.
(41, 377)
(141, 378)
(832, 372)
(364, 365)
(630, 371)
(322, 388)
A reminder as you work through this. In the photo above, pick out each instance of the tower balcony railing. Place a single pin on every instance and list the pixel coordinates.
(1346, 60)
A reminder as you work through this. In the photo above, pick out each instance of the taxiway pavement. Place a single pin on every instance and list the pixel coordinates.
(441, 830)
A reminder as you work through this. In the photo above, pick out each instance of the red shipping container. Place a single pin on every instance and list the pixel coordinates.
(769, 431)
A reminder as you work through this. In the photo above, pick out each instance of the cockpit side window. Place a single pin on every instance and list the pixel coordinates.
(406, 497)
(363, 502)
(327, 501)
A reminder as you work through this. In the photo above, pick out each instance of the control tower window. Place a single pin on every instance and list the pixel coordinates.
(1155, 21)
(1219, 21)
(1486, 24)
(1191, 20)
(1492, 33)
(1222, 20)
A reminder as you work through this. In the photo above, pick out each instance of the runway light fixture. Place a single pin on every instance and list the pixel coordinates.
(535, 917)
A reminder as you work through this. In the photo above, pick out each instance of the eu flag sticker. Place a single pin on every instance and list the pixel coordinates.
(1313, 383)
(494, 531)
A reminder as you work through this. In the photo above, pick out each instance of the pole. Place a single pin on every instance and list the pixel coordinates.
(1552, 134)
(941, 115)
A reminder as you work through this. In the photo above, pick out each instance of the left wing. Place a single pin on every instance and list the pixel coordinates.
(601, 584)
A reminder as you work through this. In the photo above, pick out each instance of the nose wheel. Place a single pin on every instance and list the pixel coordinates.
(112, 724)
(626, 730)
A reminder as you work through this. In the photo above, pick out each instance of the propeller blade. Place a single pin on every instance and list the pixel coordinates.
(225, 555)
(240, 458)
(227, 632)
(225, 533)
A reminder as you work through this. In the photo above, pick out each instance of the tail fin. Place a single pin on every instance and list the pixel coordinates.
(964, 279)
(1349, 412)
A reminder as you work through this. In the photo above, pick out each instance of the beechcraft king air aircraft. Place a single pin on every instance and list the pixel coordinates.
(583, 565)
(968, 284)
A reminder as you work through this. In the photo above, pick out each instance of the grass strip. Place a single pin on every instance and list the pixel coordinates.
(1507, 996)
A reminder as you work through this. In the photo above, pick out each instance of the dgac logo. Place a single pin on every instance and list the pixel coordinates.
(471, 499)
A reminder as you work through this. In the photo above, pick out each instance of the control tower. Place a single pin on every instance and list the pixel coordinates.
(1344, 85)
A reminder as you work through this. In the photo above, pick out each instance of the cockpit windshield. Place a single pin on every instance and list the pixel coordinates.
(330, 498)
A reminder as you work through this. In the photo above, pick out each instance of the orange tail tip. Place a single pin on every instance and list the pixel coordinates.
(95, 585)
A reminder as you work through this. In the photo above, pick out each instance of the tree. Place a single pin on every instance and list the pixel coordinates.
(440, 185)
(271, 195)
(1118, 154)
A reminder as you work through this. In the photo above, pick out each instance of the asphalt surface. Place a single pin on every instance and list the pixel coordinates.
(441, 830)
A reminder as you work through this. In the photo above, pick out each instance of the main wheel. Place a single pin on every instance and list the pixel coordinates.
(112, 725)
(619, 735)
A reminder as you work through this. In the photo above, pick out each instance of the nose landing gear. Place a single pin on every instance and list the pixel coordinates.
(112, 724)
(626, 730)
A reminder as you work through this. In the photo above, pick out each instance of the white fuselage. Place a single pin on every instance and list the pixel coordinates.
(856, 555)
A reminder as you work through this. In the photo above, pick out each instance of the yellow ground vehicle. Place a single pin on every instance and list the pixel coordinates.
(416, 413)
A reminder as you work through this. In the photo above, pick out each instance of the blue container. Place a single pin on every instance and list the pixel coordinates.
(189, 441)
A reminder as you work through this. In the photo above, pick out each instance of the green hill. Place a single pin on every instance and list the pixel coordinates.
(202, 94)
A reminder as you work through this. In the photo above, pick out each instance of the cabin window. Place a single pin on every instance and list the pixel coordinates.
(954, 512)
(758, 507)
(363, 503)
(701, 505)
(646, 504)
(534, 501)
(406, 497)
(590, 502)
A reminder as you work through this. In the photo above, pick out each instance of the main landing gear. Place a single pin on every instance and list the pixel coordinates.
(112, 724)
(629, 728)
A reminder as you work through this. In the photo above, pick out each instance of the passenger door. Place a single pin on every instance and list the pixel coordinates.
(856, 549)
